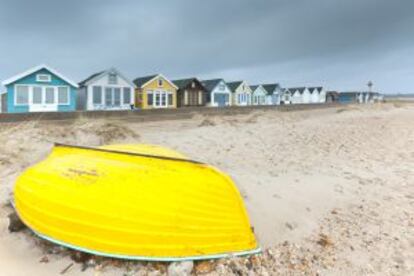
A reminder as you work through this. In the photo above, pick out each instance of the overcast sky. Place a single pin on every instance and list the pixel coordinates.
(340, 44)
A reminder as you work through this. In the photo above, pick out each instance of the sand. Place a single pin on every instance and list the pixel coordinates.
(328, 191)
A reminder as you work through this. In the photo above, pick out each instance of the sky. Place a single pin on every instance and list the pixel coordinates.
(339, 44)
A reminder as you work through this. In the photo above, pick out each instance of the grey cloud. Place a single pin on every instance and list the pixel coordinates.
(335, 43)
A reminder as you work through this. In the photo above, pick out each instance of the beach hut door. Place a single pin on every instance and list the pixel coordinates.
(43, 99)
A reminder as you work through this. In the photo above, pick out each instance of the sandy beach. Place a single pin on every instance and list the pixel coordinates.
(328, 191)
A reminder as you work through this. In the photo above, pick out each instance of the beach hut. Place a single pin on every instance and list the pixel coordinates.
(40, 89)
(241, 93)
(314, 98)
(218, 93)
(285, 96)
(274, 93)
(332, 97)
(106, 90)
(259, 95)
(322, 94)
(306, 96)
(191, 92)
(317, 94)
(297, 93)
(155, 91)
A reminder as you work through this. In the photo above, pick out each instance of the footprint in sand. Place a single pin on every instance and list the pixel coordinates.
(291, 225)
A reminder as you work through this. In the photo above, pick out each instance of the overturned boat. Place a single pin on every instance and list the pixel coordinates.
(139, 202)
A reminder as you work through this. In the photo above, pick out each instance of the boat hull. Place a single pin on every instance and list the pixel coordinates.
(134, 202)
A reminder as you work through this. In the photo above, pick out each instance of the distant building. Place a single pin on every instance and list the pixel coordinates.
(259, 95)
(285, 96)
(318, 94)
(359, 97)
(274, 92)
(297, 94)
(332, 96)
(307, 95)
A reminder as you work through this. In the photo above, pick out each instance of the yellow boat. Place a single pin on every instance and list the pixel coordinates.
(138, 202)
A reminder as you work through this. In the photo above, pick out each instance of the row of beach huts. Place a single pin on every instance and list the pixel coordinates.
(43, 89)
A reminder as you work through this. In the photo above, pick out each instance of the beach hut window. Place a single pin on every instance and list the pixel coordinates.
(37, 95)
(43, 78)
(163, 99)
(150, 99)
(127, 95)
(108, 96)
(112, 78)
(170, 99)
(157, 98)
(63, 95)
(97, 95)
(22, 94)
(50, 95)
(160, 82)
(117, 96)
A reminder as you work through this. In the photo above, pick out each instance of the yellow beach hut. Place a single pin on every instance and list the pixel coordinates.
(155, 91)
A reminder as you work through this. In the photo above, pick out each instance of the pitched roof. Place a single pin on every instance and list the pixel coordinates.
(253, 87)
(294, 89)
(35, 69)
(211, 84)
(234, 85)
(318, 88)
(183, 82)
(140, 82)
(143, 80)
(82, 83)
(98, 75)
(270, 88)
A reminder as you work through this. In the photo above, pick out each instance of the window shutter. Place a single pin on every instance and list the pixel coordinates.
(150, 99)
(170, 99)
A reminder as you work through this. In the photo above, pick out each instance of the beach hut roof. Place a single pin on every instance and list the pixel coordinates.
(142, 81)
(34, 70)
(294, 89)
(270, 88)
(234, 85)
(211, 84)
(182, 83)
(97, 75)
